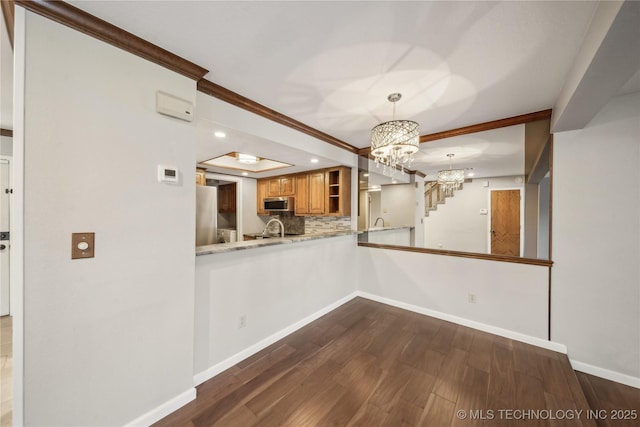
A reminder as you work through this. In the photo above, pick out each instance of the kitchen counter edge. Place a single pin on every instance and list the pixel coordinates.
(251, 244)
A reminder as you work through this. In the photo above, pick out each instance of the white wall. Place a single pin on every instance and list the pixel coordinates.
(6, 146)
(596, 239)
(457, 224)
(397, 204)
(509, 296)
(108, 338)
(543, 218)
(274, 287)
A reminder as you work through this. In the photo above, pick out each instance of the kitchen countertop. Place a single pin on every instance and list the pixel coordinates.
(251, 244)
(399, 227)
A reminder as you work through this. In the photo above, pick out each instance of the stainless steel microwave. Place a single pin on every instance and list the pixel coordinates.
(278, 204)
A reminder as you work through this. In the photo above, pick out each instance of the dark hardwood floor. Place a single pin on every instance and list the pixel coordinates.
(369, 364)
(615, 404)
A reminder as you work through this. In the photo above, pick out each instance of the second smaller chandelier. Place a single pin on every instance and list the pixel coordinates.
(450, 179)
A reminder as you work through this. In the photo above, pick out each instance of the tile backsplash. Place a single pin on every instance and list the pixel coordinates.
(323, 224)
(310, 224)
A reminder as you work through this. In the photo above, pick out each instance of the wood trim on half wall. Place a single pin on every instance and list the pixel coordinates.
(494, 124)
(488, 257)
(8, 11)
(212, 89)
(93, 26)
(6, 132)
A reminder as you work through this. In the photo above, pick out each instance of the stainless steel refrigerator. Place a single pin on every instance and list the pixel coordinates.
(206, 215)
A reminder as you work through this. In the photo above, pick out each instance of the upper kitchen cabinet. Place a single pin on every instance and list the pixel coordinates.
(338, 191)
(227, 198)
(281, 186)
(201, 177)
(310, 191)
(262, 190)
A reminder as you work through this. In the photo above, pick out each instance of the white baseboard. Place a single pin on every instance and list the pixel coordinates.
(249, 351)
(163, 410)
(539, 342)
(605, 373)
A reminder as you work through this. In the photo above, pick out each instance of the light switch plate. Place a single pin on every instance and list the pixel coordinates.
(78, 241)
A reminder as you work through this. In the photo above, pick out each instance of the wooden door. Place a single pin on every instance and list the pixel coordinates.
(302, 195)
(505, 222)
(316, 193)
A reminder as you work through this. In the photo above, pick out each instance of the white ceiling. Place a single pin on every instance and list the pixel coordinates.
(331, 64)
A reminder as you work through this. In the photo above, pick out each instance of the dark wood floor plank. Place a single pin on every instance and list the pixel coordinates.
(368, 415)
(578, 397)
(525, 359)
(369, 364)
(530, 395)
(404, 414)
(419, 355)
(391, 386)
(241, 416)
(475, 386)
(444, 337)
(502, 384)
(449, 380)
(254, 369)
(347, 407)
(418, 388)
(607, 398)
(298, 394)
(463, 338)
(553, 378)
(438, 412)
(480, 352)
(221, 407)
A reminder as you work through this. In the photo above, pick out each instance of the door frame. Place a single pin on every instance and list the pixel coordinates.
(9, 161)
(239, 194)
(488, 233)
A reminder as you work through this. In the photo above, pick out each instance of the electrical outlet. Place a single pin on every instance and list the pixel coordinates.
(242, 323)
(473, 298)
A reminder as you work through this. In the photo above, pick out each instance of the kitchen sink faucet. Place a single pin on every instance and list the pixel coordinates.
(269, 223)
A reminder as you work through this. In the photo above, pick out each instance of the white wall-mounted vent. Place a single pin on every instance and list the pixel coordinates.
(173, 106)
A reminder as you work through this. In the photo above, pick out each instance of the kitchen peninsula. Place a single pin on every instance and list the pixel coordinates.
(252, 244)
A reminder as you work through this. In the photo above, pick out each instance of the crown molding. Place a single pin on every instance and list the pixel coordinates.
(212, 89)
(494, 124)
(93, 26)
(8, 11)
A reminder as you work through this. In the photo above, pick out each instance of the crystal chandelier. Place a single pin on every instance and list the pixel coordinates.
(450, 179)
(393, 143)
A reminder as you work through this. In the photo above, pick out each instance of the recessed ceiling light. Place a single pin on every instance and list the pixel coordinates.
(366, 174)
(394, 182)
(470, 174)
(314, 160)
(247, 159)
(219, 134)
(245, 173)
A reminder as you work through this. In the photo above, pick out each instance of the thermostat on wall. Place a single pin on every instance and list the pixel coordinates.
(168, 174)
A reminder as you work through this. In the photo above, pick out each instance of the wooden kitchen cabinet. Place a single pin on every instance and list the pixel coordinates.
(262, 191)
(310, 190)
(282, 186)
(338, 191)
(227, 198)
(320, 192)
(201, 177)
(316, 193)
(302, 194)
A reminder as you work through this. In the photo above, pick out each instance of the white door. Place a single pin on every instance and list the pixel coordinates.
(4, 236)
